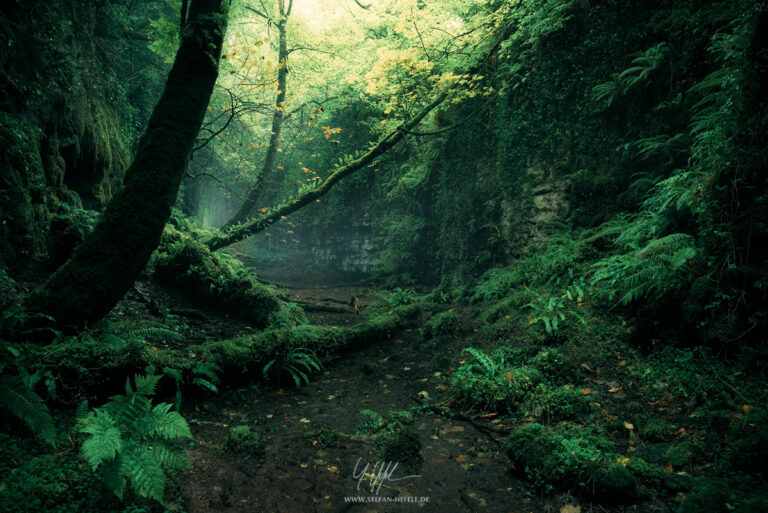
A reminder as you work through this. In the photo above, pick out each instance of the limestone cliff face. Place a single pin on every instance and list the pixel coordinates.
(525, 217)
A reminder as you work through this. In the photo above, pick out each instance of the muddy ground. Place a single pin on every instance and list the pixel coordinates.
(464, 469)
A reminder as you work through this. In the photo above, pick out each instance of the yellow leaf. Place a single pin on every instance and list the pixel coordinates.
(628, 425)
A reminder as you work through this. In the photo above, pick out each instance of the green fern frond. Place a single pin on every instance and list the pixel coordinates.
(170, 457)
(105, 441)
(205, 384)
(23, 403)
(112, 476)
(146, 474)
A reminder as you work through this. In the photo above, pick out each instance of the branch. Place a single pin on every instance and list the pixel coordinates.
(183, 21)
(256, 11)
(298, 48)
(361, 5)
(442, 130)
(254, 226)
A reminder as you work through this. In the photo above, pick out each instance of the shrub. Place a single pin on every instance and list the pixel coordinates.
(440, 325)
(244, 439)
(401, 446)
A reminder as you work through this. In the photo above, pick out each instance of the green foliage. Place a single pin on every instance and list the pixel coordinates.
(554, 404)
(373, 425)
(203, 374)
(654, 268)
(61, 484)
(494, 283)
(297, 362)
(288, 316)
(397, 297)
(244, 439)
(20, 399)
(583, 461)
(551, 311)
(131, 442)
(401, 446)
(642, 67)
(216, 279)
(441, 325)
(489, 381)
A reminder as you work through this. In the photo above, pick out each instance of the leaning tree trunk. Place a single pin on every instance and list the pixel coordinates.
(267, 169)
(108, 261)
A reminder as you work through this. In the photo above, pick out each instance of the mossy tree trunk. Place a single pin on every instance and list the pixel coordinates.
(107, 262)
(257, 191)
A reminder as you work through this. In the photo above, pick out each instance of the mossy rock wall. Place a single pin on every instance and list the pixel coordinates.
(65, 133)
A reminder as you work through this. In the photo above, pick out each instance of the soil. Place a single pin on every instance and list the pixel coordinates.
(464, 469)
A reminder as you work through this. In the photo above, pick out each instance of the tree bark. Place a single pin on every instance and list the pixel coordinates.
(268, 168)
(260, 223)
(105, 265)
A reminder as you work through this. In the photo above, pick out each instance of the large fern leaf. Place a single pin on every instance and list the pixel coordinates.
(105, 441)
(146, 474)
(22, 402)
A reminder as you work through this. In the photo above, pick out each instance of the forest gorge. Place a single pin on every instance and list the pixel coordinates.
(337, 255)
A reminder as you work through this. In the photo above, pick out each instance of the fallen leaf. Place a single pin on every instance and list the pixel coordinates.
(462, 458)
(628, 425)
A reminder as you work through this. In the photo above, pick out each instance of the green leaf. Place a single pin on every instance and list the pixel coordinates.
(105, 441)
(22, 402)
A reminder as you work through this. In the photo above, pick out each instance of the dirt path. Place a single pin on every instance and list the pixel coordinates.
(463, 470)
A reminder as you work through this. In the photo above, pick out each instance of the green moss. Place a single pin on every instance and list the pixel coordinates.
(215, 279)
(551, 459)
(748, 443)
(680, 455)
(559, 403)
(555, 365)
(657, 430)
(505, 388)
(288, 316)
(583, 461)
(244, 439)
(724, 495)
(62, 484)
(441, 325)
(401, 446)
(23, 215)
(325, 437)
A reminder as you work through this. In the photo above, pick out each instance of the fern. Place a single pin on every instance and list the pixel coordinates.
(131, 442)
(23, 403)
(486, 365)
(298, 363)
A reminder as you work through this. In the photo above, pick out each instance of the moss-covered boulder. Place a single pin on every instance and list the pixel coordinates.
(585, 462)
(401, 446)
(549, 458)
(245, 440)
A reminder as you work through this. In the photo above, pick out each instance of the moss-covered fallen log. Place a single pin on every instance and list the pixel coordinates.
(213, 280)
(97, 363)
(253, 351)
